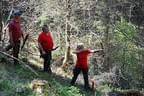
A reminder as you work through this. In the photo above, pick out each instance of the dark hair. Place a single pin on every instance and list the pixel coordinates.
(44, 27)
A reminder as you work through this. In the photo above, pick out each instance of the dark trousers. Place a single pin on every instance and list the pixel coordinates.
(16, 49)
(47, 60)
(76, 72)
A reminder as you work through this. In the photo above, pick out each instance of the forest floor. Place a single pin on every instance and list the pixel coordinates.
(15, 80)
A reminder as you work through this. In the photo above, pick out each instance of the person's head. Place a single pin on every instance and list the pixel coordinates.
(45, 28)
(17, 14)
(80, 46)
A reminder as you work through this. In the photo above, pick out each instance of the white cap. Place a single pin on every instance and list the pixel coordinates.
(80, 44)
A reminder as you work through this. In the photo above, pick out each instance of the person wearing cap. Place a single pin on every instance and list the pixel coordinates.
(46, 44)
(15, 33)
(81, 63)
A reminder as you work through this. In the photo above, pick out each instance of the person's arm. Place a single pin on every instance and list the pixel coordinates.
(39, 44)
(10, 34)
(51, 41)
(42, 50)
(75, 51)
(94, 51)
(11, 38)
(78, 51)
(97, 50)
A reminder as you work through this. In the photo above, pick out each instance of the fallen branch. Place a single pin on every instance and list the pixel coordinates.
(27, 66)
(130, 92)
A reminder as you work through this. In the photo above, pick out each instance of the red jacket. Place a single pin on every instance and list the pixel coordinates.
(82, 59)
(46, 41)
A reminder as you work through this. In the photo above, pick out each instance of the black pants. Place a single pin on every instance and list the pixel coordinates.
(16, 49)
(76, 72)
(47, 60)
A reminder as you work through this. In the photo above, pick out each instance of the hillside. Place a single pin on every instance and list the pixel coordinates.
(16, 81)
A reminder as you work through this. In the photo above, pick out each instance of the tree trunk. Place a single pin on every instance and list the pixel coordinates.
(0, 20)
(142, 66)
(106, 35)
(67, 37)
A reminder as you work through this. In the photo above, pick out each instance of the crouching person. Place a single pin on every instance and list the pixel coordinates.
(45, 42)
(81, 64)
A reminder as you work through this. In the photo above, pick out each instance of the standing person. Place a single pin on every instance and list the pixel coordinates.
(45, 42)
(15, 34)
(81, 64)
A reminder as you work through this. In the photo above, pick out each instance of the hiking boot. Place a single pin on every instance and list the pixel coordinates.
(49, 71)
(88, 89)
(72, 83)
(42, 71)
(16, 62)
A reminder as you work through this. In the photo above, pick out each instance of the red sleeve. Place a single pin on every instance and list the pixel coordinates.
(89, 51)
(10, 27)
(40, 39)
(74, 51)
(52, 44)
(51, 41)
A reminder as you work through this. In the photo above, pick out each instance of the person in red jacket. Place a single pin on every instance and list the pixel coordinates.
(45, 43)
(81, 64)
(15, 34)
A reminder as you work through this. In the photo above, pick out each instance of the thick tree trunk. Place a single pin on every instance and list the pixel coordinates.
(67, 37)
(0, 20)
